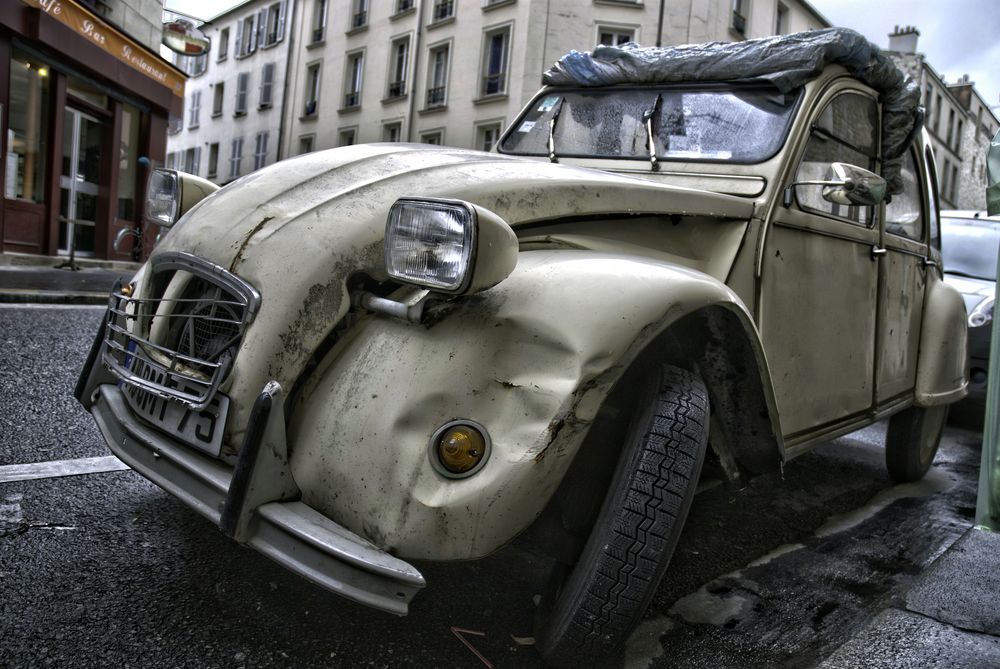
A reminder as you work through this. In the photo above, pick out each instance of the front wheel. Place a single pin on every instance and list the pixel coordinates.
(589, 612)
(912, 440)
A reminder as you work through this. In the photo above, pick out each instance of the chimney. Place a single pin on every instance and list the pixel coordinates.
(905, 40)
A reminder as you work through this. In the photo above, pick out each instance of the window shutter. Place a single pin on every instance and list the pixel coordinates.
(261, 26)
(239, 38)
(281, 20)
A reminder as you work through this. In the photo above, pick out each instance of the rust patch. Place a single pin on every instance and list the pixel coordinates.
(246, 240)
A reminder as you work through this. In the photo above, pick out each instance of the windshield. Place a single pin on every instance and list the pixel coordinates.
(970, 249)
(739, 125)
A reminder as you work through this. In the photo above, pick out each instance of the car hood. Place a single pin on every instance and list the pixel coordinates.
(297, 231)
(973, 290)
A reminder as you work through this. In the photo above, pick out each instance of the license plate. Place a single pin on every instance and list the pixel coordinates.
(200, 429)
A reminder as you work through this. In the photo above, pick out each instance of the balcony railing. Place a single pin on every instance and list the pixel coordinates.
(443, 10)
(318, 34)
(493, 84)
(359, 19)
(435, 97)
(397, 89)
(404, 6)
(352, 99)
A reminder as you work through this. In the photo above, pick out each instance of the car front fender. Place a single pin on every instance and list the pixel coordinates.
(532, 359)
(941, 373)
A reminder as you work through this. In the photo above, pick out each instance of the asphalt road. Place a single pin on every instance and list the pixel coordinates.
(105, 569)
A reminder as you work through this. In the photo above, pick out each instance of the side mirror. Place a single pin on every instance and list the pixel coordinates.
(993, 177)
(853, 186)
(846, 184)
(170, 194)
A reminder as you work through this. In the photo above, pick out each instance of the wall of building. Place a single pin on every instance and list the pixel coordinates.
(140, 19)
(222, 68)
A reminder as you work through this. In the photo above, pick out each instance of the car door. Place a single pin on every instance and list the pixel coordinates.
(903, 274)
(819, 278)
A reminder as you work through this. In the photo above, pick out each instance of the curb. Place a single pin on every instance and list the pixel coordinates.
(14, 296)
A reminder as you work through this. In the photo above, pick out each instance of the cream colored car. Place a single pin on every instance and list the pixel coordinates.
(384, 353)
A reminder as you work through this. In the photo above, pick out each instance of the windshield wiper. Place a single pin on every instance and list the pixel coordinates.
(647, 120)
(552, 130)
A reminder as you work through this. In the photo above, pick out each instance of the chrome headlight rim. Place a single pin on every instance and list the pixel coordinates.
(470, 223)
(982, 314)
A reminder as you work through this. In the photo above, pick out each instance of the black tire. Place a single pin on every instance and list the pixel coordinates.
(912, 440)
(588, 613)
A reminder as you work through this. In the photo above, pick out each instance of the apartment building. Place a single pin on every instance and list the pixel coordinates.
(231, 123)
(959, 121)
(456, 71)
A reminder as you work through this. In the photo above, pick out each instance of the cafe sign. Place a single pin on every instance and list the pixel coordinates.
(97, 32)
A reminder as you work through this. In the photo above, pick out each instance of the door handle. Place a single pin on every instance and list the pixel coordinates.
(877, 252)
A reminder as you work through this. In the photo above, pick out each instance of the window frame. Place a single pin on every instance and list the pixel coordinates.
(398, 75)
(235, 157)
(354, 79)
(213, 161)
(484, 126)
(432, 78)
(242, 93)
(267, 73)
(314, 84)
(486, 61)
(223, 53)
(260, 149)
(194, 110)
(218, 99)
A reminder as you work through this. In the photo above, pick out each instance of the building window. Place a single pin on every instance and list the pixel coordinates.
(260, 150)
(391, 132)
(217, 99)
(437, 77)
(306, 144)
(347, 136)
(312, 90)
(266, 85)
(958, 137)
(433, 137)
(246, 36)
(937, 116)
(175, 124)
(27, 144)
(781, 20)
(954, 183)
(495, 54)
(223, 44)
(399, 57)
(951, 127)
(359, 18)
(614, 36)
(194, 110)
(487, 135)
(192, 160)
(319, 21)
(443, 9)
(242, 84)
(213, 160)
(235, 158)
(353, 80)
(739, 20)
(274, 22)
(403, 6)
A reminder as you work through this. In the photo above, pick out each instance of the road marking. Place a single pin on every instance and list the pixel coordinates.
(42, 305)
(60, 468)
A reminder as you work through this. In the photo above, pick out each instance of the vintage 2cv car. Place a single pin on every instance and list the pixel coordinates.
(383, 353)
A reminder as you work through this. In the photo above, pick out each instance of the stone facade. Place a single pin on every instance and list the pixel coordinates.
(139, 19)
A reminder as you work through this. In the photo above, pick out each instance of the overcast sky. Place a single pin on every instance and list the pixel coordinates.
(957, 36)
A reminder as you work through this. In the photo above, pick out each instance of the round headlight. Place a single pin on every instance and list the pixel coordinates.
(459, 448)
(982, 314)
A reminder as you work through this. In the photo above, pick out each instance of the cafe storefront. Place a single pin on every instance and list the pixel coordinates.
(83, 117)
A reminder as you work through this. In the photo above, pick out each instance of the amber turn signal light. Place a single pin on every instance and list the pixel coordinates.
(459, 448)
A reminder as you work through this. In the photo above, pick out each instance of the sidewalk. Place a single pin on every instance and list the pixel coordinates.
(27, 278)
(949, 618)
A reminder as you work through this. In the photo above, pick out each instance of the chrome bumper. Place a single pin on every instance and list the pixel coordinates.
(241, 502)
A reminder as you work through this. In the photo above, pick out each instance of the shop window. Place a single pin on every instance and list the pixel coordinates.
(128, 163)
(26, 134)
(83, 91)
(266, 86)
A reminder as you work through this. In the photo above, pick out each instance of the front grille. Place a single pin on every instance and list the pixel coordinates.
(178, 339)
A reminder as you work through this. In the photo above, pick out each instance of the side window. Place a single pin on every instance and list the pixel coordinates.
(904, 215)
(847, 132)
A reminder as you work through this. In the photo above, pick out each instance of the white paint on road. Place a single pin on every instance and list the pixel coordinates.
(60, 468)
(46, 307)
